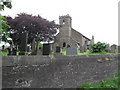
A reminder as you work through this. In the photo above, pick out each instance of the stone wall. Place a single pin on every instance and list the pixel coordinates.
(58, 71)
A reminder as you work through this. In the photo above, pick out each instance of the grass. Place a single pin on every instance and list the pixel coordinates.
(63, 52)
(4, 53)
(89, 53)
(17, 53)
(109, 83)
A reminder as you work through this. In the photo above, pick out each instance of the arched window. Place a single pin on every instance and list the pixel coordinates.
(63, 21)
(64, 44)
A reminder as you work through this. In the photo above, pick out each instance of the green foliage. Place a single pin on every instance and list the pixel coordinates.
(4, 32)
(109, 83)
(40, 45)
(4, 53)
(98, 47)
(4, 4)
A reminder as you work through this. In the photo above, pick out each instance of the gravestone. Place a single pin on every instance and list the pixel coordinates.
(28, 48)
(9, 51)
(46, 49)
(114, 49)
(81, 49)
(33, 46)
(23, 44)
(14, 51)
(71, 51)
(58, 49)
(107, 48)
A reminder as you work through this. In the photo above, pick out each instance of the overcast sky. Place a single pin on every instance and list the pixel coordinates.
(89, 17)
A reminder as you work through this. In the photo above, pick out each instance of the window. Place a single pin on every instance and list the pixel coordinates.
(64, 44)
(63, 21)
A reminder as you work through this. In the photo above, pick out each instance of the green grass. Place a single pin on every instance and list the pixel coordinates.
(4, 53)
(109, 83)
(17, 53)
(89, 53)
(63, 52)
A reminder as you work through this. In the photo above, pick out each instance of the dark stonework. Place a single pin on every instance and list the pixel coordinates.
(23, 45)
(46, 49)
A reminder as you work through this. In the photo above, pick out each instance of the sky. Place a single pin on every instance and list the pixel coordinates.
(89, 17)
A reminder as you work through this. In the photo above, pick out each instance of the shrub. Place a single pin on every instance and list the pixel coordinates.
(98, 47)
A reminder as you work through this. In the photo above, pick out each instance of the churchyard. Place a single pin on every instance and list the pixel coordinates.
(36, 58)
(50, 49)
(57, 68)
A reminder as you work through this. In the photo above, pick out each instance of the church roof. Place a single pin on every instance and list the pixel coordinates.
(81, 34)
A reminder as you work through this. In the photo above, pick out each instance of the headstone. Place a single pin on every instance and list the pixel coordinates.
(58, 49)
(9, 51)
(23, 45)
(81, 49)
(114, 49)
(33, 46)
(71, 51)
(107, 48)
(46, 49)
(14, 51)
(3, 47)
(28, 48)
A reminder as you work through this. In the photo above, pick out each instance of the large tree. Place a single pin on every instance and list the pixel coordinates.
(37, 28)
(34, 25)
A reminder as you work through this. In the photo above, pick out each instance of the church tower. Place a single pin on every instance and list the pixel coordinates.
(65, 30)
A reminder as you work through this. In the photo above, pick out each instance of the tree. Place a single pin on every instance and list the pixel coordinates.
(4, 30)
(36, 27)
(98, 47)
(4, 34)
(5, 3)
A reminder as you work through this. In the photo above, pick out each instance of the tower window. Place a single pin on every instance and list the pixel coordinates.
(63, 21)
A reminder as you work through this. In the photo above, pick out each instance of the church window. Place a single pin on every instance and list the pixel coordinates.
(64, 44)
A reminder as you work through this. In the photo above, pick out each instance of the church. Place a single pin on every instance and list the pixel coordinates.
(68, 36)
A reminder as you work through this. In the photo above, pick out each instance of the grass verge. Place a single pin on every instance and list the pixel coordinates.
(109, 83)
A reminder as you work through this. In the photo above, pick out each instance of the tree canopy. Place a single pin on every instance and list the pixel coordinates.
(34, 25)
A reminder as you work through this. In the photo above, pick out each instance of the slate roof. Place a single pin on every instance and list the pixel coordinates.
(81, 34)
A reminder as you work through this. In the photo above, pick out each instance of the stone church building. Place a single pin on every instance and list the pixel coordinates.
(68, 36)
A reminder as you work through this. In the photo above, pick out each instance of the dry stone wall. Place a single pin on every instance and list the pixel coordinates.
(58, 71)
